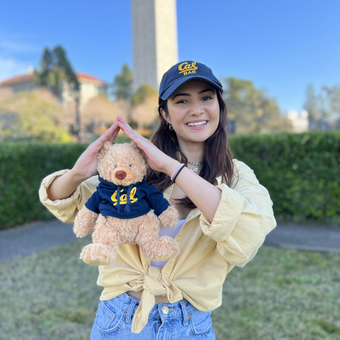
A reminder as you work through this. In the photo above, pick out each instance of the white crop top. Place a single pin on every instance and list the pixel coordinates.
(169, 232)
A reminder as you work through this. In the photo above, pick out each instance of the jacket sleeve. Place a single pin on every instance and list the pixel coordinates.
(67, 209)
(243, 218)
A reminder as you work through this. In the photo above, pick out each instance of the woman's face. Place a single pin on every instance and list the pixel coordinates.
(193, 112)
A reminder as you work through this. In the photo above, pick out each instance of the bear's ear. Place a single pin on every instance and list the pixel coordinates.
(135, 146)
(104, 149)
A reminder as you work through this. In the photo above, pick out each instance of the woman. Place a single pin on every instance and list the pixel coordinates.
(224, 214)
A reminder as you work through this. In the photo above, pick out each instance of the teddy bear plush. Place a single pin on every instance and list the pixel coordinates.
(125, 209)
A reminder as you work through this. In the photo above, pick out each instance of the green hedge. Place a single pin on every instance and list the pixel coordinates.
(301, 172)
(22, 167)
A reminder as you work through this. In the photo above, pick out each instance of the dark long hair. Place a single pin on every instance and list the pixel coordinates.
(217, 158)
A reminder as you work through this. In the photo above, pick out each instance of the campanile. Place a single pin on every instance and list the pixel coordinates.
(154, 31)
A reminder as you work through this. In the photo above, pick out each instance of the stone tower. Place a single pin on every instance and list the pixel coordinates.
(154, 40)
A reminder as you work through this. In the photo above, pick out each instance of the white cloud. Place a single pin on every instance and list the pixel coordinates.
(15, 53)
(8, 47)
(10, 67)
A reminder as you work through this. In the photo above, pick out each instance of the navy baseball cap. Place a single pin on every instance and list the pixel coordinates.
(183, 72)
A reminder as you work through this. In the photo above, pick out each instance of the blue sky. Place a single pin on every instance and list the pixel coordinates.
(280, 45)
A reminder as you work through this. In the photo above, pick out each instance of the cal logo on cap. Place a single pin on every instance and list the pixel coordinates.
(186, 68)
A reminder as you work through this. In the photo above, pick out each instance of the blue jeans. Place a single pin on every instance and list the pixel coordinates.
(167, 321)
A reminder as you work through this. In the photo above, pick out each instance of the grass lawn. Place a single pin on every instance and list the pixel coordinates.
(282, 294)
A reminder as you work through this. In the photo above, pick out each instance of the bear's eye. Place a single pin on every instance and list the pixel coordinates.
(115, 165)
(130, 166)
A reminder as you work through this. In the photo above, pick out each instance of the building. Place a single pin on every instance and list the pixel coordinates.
(155, 47)
(299, 120)
(89, 87)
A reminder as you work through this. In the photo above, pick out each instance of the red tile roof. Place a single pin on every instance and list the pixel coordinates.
(88, 77)
(18, 79)
(27, 77)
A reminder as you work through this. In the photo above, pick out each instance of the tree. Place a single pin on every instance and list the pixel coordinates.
(312, 107)
(33, 115)
(323, 107)
(62, 63)
(100, 112)
(5, 93)
(122, 84)
(333, 104)
(251, 109)
(54, 70)
(143, 92)
(145, 113)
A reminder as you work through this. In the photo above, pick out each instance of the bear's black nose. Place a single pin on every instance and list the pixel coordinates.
(120, 175)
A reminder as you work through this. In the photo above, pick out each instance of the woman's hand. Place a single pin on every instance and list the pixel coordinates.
(156, 159)
(204, 195)
(86, 165)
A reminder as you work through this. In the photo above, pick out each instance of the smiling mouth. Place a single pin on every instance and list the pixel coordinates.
(198, 123)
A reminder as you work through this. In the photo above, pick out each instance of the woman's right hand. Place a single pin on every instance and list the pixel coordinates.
(86, 165)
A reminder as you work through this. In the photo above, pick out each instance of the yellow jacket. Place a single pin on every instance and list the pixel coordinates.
(208, 251)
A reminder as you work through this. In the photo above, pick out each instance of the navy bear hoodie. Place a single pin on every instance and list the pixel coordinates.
(126, 202)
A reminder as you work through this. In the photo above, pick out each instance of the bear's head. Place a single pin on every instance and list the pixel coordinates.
(121, 164)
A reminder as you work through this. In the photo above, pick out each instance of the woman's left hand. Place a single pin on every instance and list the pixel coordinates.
(204, 195)
(156, 159)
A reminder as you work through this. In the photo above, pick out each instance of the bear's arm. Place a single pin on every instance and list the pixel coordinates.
(93, 202)
(156, 200)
